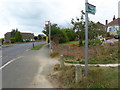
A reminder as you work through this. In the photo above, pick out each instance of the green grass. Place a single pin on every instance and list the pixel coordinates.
(38, 47)
(71, 62)
(54, 54)
(98, 77)
(68, 43)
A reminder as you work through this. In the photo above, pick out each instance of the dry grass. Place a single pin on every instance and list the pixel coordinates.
(100, 54)
(98, 77)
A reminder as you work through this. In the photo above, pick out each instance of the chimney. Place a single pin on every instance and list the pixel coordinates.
(106, 22)
(113, 17)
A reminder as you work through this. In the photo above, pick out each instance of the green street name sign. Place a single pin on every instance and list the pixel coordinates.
(91, 8)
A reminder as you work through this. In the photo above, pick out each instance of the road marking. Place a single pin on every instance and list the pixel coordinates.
(10, 62)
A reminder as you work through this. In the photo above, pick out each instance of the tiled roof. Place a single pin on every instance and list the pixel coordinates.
(100, 24)
(24, 35)
(114, 22)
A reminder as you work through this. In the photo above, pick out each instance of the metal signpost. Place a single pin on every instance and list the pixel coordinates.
(88, 9)
(48, 23)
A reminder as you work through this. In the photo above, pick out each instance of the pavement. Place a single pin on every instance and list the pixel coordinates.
(28, 70)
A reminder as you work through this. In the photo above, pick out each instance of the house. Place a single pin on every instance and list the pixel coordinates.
(25, 36)
(101, 26)
(113, 26)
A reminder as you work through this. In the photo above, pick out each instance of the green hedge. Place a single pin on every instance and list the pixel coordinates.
(12, 40)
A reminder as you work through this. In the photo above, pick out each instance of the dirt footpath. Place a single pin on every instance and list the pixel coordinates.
(46, 66)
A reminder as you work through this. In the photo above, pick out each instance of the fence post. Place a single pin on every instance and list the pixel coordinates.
(78, 73)
(33, 45)
(61, 60)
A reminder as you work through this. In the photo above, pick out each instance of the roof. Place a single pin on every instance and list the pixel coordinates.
(100, 24)
(114, 22)
(27, 35)
(24, 35)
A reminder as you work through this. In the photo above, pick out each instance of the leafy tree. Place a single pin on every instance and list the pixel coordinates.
(69, 33)
(79, 27)
(13, 32)
(12, 40)
(18, 37)
(35, 37)
(56, 34)
(39, 37)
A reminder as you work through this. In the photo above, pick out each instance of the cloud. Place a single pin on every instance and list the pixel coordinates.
(30, 15)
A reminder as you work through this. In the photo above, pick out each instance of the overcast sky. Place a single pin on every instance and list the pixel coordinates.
(30, 15)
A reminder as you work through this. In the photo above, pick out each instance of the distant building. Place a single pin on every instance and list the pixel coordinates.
(101, 26)
(113, 26)
(25, 36)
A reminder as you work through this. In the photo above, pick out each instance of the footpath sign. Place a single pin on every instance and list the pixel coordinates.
(91, 9)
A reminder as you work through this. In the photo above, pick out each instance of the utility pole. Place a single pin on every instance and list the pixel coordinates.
(50, 36)
(48, 23)
(86, 38)
(89, 8)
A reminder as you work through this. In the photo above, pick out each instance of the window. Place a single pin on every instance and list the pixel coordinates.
(110, 29)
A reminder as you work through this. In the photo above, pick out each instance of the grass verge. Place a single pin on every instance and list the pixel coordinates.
(38, 47)
(98, 77)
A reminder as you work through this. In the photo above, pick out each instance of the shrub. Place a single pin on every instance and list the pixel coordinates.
(94, 42)
(118, 31)
(27, 40)
(12, 40)
(73, 44)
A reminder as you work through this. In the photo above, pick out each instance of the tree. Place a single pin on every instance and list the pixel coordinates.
(79, 27)
(39, 37)
(35, 37)
(69, 33)
(18, 37)
(13, 32)
(57, 35)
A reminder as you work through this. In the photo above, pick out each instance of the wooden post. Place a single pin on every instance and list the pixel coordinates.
(78, 73)
(61, 60)
(33, 45)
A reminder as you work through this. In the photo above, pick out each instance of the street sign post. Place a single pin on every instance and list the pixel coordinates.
(89, 8)
(48, 23)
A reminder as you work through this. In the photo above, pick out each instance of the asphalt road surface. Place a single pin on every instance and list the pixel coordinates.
(9, 53)
(28, 70)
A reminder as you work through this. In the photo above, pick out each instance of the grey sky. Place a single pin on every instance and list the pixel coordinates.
(30, 15)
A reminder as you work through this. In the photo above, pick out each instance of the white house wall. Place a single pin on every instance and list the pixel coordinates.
(113, 28)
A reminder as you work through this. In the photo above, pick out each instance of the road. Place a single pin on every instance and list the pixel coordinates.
(28, 70)
(15, 50)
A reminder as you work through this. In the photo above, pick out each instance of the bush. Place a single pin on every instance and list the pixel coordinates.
(27, 40)
(94, 42)
(73, 44)
(12, 40)
(118, 31)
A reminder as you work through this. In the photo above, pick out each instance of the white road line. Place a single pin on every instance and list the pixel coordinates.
(10, 62)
